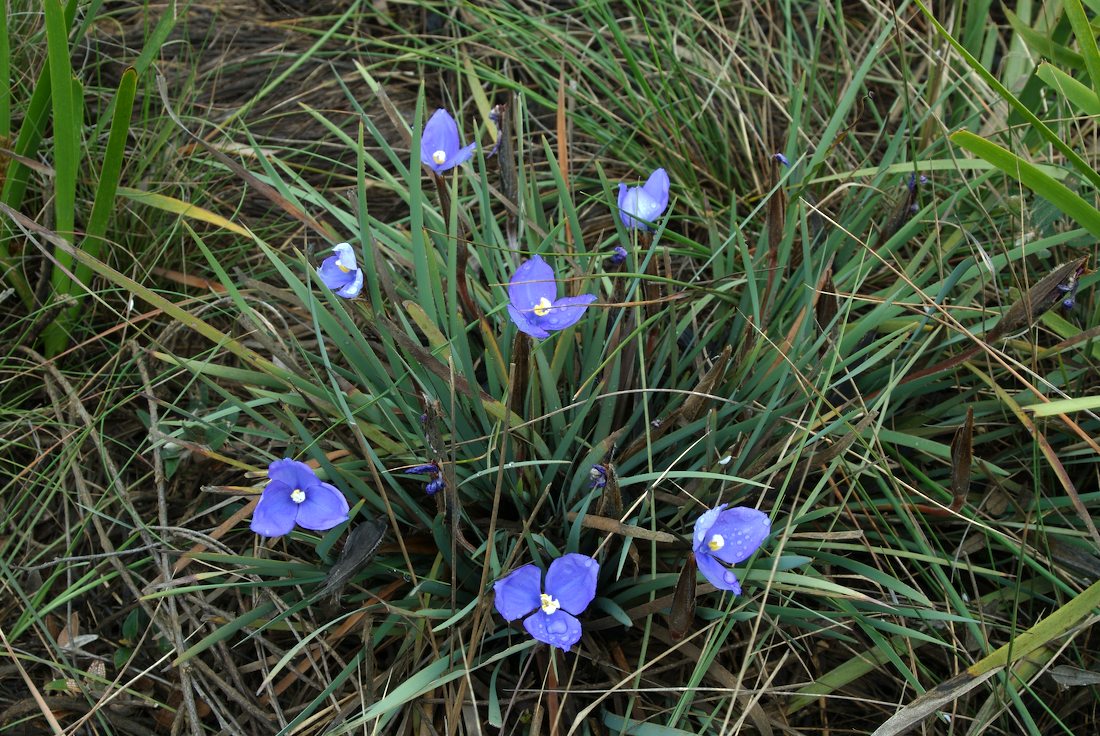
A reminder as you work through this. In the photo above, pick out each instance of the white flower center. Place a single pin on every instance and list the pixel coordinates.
(543, 307)
(716, 543)
(297, 495)
(440, 157)
(549, 603)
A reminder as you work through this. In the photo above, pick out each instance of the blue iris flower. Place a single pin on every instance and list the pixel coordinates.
(570, 587)
(639, 206)
(440, 148)
(534, 305)
(725, 537)
(295, 495)
(339, 272)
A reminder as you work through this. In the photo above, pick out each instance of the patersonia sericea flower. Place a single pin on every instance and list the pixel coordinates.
(534, 305)
(725, 537)
(440, 148)
(644, 204)
(339, 272)
(295, 495)
(570, 587)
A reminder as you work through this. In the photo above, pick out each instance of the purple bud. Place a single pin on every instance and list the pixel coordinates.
(618, 256)
(598, 476)
(782, 159)
(435, 486)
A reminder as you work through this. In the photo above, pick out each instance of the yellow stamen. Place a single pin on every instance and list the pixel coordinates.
(297, 495)
(341, 267)
(440, 157)
(549, 603)
(716, 543)
(543, 307)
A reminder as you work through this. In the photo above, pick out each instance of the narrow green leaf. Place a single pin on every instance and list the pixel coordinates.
(1077, 94)
(1082, 167)
(1053, 627)
(104, 202)
(5, 75)
(17, 175)
(1044, 46)
(1086, 40)
(1030, 176)
(1064, 406)
(64, 126)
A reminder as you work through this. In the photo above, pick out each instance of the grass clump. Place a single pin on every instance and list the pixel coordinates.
(858, 342)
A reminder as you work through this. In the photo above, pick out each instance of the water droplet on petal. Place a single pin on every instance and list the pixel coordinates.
(729, 577)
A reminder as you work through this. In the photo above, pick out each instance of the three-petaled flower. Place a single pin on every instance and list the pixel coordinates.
(295, 495)
(534, 306)
(440, 148)
(339, 272)
(725, 537)
(570, 587)
(641, 205)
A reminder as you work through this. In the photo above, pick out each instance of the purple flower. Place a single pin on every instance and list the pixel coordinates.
(618, 256)
(641, 205)
(725, 537)
(440, 148)
(782, 159)
(436, 484)
(570, 587)
(339, 272)
(295, 495)
(533, 304)
(598, 475)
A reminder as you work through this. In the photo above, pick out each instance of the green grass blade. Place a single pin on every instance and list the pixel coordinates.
(5, 74)
(1030, 176)
(104, 203)
(1086, 40)
(1079, 164)
(1078, 95)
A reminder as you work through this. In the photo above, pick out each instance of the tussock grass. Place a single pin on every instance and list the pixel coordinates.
(814, 340)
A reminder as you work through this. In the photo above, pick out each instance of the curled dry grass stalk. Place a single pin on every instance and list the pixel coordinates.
(820, 341)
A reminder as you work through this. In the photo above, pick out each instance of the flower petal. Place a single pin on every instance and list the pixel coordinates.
(717, 574)
(565, 312)
(295, 474)
(324, 507)
(532, 282)
(517, 594)
(525, 325)
(702, 524)
(646, 207)
(657, 187)
(743, 530)
(345, 255)
(331, 275)
(638, 208)
(558, 628)
(571, 579)
(440, 134)
(274, 514)
(351, 290)
(461, 156)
